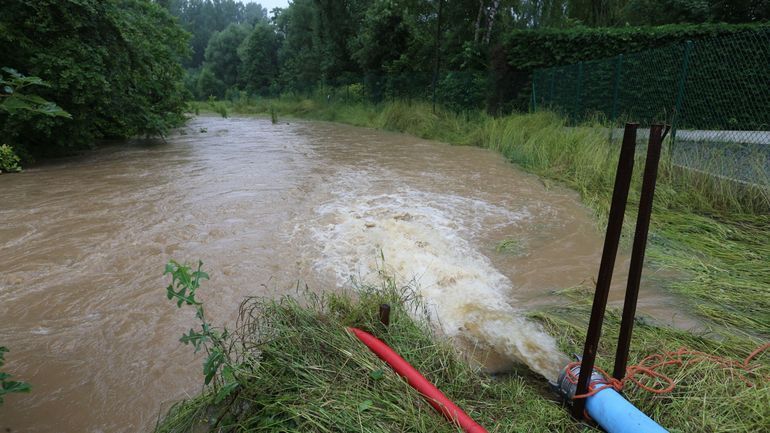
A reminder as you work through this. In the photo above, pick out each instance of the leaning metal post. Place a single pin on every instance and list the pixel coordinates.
(637, 253)
(611, 241)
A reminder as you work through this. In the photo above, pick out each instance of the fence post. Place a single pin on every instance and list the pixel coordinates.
(680, 94)
(579, 89)
(615, 92)
(550, 90)
(534, 97)
(616, 88)
(437, 53)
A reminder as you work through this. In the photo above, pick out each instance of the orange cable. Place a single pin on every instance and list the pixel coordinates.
(649, 365)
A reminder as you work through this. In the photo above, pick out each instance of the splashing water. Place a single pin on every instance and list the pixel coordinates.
(423, 237)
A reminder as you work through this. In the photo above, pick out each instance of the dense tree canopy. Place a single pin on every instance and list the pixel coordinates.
(114, 65)
(202, 18)
(336, 42)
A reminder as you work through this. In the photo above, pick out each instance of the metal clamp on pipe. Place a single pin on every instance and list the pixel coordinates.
(607, 407)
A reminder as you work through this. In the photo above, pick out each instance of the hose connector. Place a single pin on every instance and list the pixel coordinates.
(566, 387)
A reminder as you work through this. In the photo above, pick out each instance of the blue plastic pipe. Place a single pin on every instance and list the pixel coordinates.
(607, 408)
(616, 415)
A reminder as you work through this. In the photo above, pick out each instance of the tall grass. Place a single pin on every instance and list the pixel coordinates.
(313, 376)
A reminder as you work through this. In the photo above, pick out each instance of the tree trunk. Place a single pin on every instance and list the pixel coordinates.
(477, 32)
(491, 15)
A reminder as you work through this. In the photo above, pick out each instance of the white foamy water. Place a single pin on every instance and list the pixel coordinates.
(426, 239)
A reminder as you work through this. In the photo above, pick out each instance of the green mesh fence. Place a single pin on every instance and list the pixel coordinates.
(714, 92)
(459, 91)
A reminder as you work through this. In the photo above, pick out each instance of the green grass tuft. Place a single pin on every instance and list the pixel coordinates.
(313, 376)
(513, 247)
(310, 375)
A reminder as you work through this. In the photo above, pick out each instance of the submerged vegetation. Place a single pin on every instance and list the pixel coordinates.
(9, 386)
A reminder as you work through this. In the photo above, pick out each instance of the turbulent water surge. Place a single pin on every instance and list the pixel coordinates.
(83, 242)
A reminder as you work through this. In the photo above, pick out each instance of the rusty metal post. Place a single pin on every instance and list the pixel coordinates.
(637, 253)
(603, 281)
(385, 314)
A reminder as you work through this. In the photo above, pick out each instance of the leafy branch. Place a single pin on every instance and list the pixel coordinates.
(9, 386)
(14, 97)
(185, 283)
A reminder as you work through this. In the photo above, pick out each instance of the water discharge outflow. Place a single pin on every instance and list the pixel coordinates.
(421, 238)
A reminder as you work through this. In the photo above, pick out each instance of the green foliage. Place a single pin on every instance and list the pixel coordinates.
(216, 343)
(726, 84)
(558, 47)
(222, 58)
(203, 18)
(392, 47)
(648, 12)
(312, 375)
(513, 247)
(219, 107)
(9, 386)
(564, 46)
(462, 91)
(113, 65)
(9, 161)
(14, 97)
(383, 43)
(299, 55)
(209, 85)
(259, 60)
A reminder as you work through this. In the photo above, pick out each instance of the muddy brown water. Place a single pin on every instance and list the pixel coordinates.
(83, 242)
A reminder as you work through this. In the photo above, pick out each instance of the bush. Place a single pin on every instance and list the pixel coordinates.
(462, 91)
(9, 162)
(113, 65)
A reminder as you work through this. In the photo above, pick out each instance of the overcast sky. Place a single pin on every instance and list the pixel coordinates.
(269, 4)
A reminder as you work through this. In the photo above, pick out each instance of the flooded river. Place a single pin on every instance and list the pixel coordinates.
(83, 242)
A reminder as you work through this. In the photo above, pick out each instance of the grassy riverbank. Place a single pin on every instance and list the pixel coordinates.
(299, 370)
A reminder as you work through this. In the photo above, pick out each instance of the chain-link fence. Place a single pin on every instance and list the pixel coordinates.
(714, 92)
(459, 91)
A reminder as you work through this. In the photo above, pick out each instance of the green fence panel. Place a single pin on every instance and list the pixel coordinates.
(715, 92)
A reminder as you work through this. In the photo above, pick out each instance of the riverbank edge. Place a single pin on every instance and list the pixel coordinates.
(515, 402)
(711, 232)
(295, 367)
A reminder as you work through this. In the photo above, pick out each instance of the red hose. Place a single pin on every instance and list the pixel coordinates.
(435, 397)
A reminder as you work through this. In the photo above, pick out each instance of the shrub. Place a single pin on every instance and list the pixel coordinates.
(9, 162)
